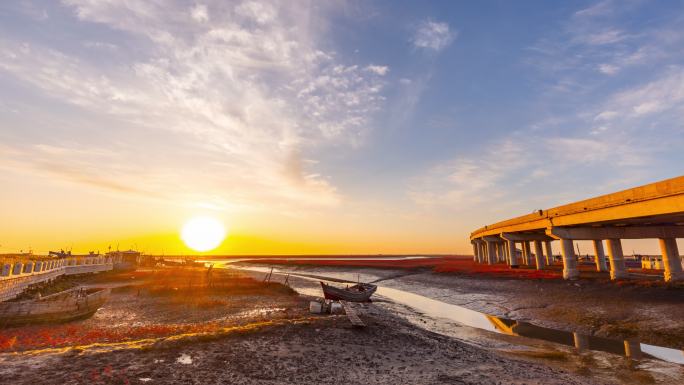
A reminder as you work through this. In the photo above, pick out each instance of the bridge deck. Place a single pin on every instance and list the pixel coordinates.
(652, 204)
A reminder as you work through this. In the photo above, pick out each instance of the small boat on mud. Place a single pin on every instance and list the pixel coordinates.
(64, 306)
(361, 292)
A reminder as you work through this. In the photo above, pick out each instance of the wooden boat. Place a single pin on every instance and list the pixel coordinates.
(360, 292)
(64, 306)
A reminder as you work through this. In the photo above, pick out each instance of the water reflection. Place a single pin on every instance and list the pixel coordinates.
(632, 348)
(291, 259)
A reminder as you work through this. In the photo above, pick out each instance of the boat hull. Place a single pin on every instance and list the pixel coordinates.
(63, 307)
(337, 294)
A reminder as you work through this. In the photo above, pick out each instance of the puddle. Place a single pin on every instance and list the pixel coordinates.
(437, 309)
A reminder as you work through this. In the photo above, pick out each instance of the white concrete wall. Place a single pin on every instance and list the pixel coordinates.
(16, 277)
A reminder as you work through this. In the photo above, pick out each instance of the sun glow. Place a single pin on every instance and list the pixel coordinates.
(203, 233)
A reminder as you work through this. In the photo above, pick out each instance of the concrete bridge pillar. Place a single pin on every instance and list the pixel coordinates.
(569, 259)
(599, 256)
(618, 270)
(512, 256)
(527, 253)
(549, 253)
(504, 248)
(491, 252)
(538, 255)
(474, 251)
(483, 252)
(671, 261)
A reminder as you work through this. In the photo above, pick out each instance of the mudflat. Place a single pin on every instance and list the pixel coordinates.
(183, 326)
(325, 350)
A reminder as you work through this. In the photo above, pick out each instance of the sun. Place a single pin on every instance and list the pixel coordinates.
(203, 233)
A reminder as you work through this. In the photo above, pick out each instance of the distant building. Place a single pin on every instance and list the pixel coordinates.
(653, 262)
(125, 260)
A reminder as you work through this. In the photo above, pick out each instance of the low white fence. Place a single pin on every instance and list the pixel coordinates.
(15, 277)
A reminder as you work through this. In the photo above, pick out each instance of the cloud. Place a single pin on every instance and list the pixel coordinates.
(469, 180)
(258, 12)
(661, 95)
(379, 70)
(606, 115)
(608, 69)
(602, 8)
(609, 36)
(228, 100)
(200, 13)
(433, 35)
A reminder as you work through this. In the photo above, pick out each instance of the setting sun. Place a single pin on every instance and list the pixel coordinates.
(203, 233)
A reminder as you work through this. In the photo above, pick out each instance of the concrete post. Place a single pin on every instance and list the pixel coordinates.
(617, 260)
(474, 251)
(569, 259)
(491, 252)
(538, 255)
(581, 342)
(671, 261)
(549, 253)
(512, 257)
(632, 349)
(526, 252)
(599, 256)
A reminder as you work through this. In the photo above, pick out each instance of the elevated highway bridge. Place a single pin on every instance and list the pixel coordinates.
(654, 210)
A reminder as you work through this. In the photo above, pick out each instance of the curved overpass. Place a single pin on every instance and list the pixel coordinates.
(654, 210)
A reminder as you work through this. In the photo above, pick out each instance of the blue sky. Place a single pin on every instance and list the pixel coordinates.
(409, 123)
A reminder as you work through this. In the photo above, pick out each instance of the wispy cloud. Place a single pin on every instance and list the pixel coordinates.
(601, 8)
(433, 35)
(233, 95)
(470, 179)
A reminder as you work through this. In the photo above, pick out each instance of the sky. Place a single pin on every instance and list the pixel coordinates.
(326, 126)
